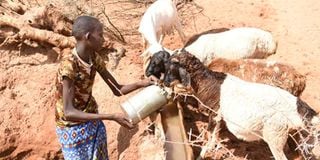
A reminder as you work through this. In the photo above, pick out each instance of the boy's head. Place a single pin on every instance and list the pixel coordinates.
(89, 30)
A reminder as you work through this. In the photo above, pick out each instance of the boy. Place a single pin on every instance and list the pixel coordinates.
(80, 129)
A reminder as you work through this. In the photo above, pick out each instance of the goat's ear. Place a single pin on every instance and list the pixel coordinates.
(148, 71)
(185, 77)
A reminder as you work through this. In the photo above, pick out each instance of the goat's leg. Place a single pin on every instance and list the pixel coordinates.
(276, 138)
(180, 32)
(145, 43)
(161, 38)
(214, 137)
(145, 56)
(146, 61)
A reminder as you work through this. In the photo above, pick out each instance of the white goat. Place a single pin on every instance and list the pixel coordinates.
(252, 111)
(237, 43)
(158, 20)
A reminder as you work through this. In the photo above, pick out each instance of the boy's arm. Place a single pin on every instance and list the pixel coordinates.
(119, 89)
(72, 114)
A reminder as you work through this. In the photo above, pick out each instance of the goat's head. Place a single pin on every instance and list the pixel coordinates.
(178, 78)
(157, 64)
(176, 74)
(172, 74)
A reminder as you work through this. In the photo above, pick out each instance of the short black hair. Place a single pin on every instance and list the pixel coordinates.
(84, 24)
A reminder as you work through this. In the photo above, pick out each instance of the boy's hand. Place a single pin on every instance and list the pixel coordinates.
(153, 79)
(149, 81)
(123, 121)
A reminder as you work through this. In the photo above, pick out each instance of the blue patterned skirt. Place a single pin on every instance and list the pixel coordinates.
(86, 141)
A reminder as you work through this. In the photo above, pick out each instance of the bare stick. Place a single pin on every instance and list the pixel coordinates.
(121, 38)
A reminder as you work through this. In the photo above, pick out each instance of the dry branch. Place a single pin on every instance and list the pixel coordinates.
(48, 17)
(36, 23)
(28, 32)
(44, 25)
(118, 36)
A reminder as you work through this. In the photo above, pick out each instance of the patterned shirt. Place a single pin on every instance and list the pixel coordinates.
(82, 75)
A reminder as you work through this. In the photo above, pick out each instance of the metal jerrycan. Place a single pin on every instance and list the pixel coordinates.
(145, 102)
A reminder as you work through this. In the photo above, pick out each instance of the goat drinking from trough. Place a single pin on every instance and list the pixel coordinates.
(236, 43)
(253, 70)
(251, 111)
